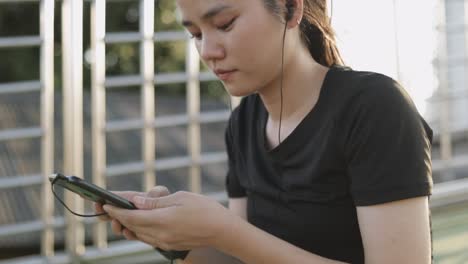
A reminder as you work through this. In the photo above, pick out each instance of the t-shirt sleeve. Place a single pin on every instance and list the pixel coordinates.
(233, 186)
(387, 146)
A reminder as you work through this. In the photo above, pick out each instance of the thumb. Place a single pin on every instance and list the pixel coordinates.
(158, 191)
(148, 203)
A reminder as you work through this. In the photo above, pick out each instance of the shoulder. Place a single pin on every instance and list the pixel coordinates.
(380, 90)
(246, 110)
(244, 117)
(365, 88)
(374, 99)
(370, 93)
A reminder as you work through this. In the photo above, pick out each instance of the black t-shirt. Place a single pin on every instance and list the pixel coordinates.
(363, 143)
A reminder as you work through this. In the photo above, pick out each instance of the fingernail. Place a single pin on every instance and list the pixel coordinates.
(105, 207)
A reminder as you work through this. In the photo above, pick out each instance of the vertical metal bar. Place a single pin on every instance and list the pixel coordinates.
(465, 16)
(72, 41)
(147, 90)
(98, 89)
(47, 122)
(397, 41)
(445, 136)
(192, 65)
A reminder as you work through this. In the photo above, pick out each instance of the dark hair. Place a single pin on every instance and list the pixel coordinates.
(316, 31)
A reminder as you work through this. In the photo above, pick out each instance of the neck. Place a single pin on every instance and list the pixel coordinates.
(302, 80)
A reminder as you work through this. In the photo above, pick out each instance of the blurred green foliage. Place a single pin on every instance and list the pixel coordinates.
(22, 19)
(19, 64)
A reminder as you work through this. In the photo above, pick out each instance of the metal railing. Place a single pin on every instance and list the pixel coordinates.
(46, 130)
(147, 123)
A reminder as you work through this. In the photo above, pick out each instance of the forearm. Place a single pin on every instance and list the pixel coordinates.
(252, 245)
(209, 256)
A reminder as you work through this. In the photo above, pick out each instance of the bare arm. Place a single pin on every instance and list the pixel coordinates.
(253, 245)
(211, 255)
(388, 231)
(396, 232)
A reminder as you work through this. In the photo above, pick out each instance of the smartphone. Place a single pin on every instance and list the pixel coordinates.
(97, 194)
(90, 191)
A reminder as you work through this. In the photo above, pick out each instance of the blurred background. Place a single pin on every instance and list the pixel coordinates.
(114, 92)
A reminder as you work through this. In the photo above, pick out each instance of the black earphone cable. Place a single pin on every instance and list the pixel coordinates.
(281, 84)
(63, 203)
(231, 132)
(171, 261)
(281, 88)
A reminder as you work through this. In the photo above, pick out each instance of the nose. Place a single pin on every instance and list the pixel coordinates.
(211, 48)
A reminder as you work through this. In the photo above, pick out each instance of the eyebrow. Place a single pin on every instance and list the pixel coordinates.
(208, 15)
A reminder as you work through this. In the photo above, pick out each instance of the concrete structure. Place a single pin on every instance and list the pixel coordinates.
(451, 66)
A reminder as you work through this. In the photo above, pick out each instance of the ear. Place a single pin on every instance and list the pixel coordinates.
(296, 9)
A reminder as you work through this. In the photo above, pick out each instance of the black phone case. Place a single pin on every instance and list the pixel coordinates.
(95, 193)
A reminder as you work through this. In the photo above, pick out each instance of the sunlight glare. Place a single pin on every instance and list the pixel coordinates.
(370, 38)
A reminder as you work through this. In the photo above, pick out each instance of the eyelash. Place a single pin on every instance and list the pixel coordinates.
(224, 27)
(195, 36)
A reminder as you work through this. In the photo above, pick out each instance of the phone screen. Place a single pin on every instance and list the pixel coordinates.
(91, 191)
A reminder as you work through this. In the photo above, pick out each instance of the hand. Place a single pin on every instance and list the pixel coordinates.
(116, 226)
(126, 194)
(180, 221)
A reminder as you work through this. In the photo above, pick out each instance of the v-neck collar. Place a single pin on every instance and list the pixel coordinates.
(290, 142)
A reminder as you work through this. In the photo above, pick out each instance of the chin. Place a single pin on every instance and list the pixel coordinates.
(238, 90)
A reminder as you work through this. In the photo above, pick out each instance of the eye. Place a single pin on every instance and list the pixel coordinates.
(196, 36)
(228, 25)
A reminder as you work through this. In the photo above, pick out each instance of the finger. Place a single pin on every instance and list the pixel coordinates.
(139, 220)
(116, 213)
(145, 203)
(158, 191)
(98, 210)
(116, 227)
(130, 219)
(129, 235)
(148, 239)
(160, 202)
(128, 194)
(149, 203)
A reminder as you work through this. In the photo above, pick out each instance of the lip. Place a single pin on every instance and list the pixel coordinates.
(224, 75)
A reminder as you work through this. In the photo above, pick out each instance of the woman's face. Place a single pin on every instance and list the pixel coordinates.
(239, 40)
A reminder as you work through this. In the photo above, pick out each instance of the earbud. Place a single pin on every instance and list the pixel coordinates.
(289, 10)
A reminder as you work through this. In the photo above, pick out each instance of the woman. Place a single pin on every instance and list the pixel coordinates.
(326, 164)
